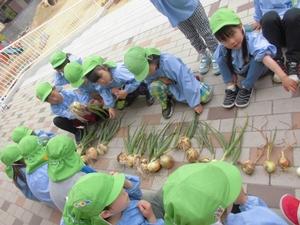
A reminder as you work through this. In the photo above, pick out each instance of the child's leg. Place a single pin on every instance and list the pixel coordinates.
(160, 91)
(291, 23)
(273, 31)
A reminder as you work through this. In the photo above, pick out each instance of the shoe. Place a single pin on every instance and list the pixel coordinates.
(206, 94)
(150, 100)
(290, 208)
(168, 112)
(280, 62)
(243, 97)
(230, 97)
(215, 67)
(204, 63)
(293, 71)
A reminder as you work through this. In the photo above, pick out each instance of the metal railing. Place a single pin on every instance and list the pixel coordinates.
(16, 58)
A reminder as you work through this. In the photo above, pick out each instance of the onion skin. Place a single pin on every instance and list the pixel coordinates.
(204, 160)
(91, 153)
(122, 158)
(283, 162)
(192, 155)
(184, 143)
(248, 167)
(130, 161)
(102, 149)
(269, 166)
(153, 166)
(166, 161)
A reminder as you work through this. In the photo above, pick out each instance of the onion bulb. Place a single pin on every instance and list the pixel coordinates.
(144, 167)
(298, 171)
(283, 162)
(122, 158)
(204, 160)
(130, 161)
(192, 155)
(269, 166)
(153, 166)
(166, 161)
(102, 149)
(184, 143)
(91, 153)
(248, 167)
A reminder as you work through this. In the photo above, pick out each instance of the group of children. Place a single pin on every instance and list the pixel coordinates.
(47, 168)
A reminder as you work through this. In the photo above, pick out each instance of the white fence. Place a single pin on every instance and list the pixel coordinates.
(24, 52)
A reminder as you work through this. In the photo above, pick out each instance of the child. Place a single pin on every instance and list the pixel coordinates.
(22, 131)
(190, 18)
(247, 54)
(167, 77)
(60, 102)
(36, 162)
(279, 22)
(65, 167)
(59, 60)
(290, 208)
(15, 169)
(76, 73)
(108, 199)
(204, 193)
(117, 86)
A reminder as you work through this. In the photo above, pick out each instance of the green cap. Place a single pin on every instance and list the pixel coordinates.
(58, 58)
(223, 17)
(90, 63)
(136, 61)
(10, 154)
(33, 153)
(110, 64)
(89, 196)
(20, 132)
(43, 90)
(64, 161)
(73, 72)
(194, 193)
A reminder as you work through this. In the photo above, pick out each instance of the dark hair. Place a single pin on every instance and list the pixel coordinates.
(61, 66)
(154, 59)
(226, 32)
(17, 166)
(94, 76)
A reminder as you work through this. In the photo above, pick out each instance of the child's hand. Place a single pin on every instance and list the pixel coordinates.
(121, 94)
(115, 91)
(112, 113)
(289, 84)
(256, 26)
(146, 210)
(198, 109)
(165, 80)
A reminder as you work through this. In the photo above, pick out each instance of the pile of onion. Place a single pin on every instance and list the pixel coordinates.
(166, 161)
(192, 155)
(154, 166)
(184, 143)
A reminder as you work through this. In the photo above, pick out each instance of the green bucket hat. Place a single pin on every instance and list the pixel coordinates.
(136, 61)
(20, 132)
(194, 193)
(10, 154)
(64, 161)
(90, 63)
(33, 153)
(223, 17)
(58, 58)
(73, 72)
(89, 196)
(43, 90)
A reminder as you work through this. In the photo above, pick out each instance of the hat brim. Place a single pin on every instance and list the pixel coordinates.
(78, 83)
(118, 185)
(225, 23)
(59, 63)
(234, 179)
(46, 94)
(143, 74)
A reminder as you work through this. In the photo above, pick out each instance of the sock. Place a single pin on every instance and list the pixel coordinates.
(231, 87)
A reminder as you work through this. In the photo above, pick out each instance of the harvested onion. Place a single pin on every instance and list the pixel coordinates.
(269, 166)
(122, 158)
(283, 162)
(130, 161)
(184, 143)
(166, 161)
(192, 155)
(91, 153)
(102, 149)
(248, 167)
(153, 166)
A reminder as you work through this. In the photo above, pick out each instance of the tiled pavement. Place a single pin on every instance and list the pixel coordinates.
(139, 23)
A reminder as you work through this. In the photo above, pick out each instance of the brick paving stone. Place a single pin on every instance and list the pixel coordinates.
(272, 122)
(152, 119)
(286, 105)
(285, 178)
(5, 206)
(258, 177)
(17, 222)
(296, 120)
(36, 220)
(220, 113)
(55, 216)
(256, 109)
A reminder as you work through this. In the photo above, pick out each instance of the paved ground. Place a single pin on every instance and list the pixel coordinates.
(139, 23)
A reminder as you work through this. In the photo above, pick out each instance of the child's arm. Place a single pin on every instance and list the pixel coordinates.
(257, 13)
(132, 187)
(287, 83)
(109, 101)
(146, 210)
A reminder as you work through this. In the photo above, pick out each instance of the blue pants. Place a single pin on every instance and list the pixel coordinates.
(255, 71)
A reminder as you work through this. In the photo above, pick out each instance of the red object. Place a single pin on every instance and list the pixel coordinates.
(290, 208)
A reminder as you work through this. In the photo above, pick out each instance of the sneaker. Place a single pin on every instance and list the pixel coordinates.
(280, 62)
(243, 97)
(290, 208)
(215, 67)
(150, 100)
(168, 112)
(293, 70)
(230, 97)
(207, 94)
(204, 63)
